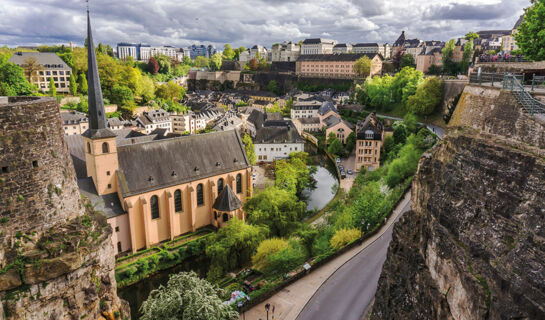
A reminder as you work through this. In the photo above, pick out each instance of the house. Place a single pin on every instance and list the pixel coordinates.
(285, 52)
(229, 121)
(340, 127)
(369, 139)
(327, 109)
(342, 48)
(340, 66)
(153, 190)
(50, 67)
(305, 108)
(277, 142)
(255, 121)
(317, 46)
(258, 51)
(307, 124)
(428, 58)
(74, 122)
(154, 119)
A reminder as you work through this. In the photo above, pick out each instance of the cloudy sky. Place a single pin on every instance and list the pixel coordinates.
(249, 22)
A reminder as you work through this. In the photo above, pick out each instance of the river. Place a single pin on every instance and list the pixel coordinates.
(319, 195)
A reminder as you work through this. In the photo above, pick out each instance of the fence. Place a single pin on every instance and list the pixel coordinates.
(526, 100)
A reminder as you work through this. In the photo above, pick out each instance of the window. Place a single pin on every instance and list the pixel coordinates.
(109, 186)
(178, 200)
(116, 229)
(225, 217)
(88, 145)
(105, 147)
(107, 173)
(119, 246)
(154, 206)
(200, 195)
(239, 183)
(220, 185)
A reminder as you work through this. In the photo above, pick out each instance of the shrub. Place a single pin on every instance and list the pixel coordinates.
(344, 236)
(265, 250)
(287, 259)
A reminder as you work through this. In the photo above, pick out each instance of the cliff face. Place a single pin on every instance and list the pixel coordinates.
(56, 256)
(473, 246)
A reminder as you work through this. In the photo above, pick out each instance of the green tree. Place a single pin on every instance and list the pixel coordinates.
(400, 134)
(285, 260)
(293, 174)
(449, 65)
(407, 60)
(468, 51)
(362, 66)
(201, 62)
(215, 61)
(273, 87)
(249, 148)
(530, 36)
(188, 297)
(410, 122)
(82, 83)
(342, 237)
(267, 248)
(335, 148)
(165, 63)
(73, 85)
(350, 142)
(404, 166)
(13, 82)
(233, 246)
(121, 95)
(427, 97)
(277, 209)
(52, 88)
(228, 52)
(170, 91)
(146, 89)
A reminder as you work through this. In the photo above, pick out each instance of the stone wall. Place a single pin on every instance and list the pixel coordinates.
(492, 110)
(37, 179)
(452, 89)
(514, 67)
(56, 256)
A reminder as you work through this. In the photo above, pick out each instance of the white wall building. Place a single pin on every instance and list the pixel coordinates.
(317, 46)
(286, 51)
(277, 142)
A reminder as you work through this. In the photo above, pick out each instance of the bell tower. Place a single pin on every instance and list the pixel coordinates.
(99, 141)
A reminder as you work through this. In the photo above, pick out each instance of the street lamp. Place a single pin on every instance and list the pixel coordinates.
(267, 307)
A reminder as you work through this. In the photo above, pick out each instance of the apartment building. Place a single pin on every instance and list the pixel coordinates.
(276, 141)
(340, 66)
(369, 139)
(342, 48)
(155, 119)
(50, 67)
(317, 46)
(74, 122)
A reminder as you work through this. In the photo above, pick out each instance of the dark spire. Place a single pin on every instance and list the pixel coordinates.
(98, 126)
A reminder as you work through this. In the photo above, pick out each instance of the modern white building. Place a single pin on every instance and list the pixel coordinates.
(342, 48)
(169, 51)
(317, 46)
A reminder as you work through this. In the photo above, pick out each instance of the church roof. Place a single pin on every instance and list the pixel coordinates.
(159, 164)
(227, 200)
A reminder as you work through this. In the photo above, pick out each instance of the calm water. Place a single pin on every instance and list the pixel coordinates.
(319, 195)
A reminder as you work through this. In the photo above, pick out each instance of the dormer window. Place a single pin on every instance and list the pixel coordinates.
(369, 134)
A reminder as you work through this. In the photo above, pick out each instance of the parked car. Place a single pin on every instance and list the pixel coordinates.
(338, 160)
(343, 175)
(349, 172)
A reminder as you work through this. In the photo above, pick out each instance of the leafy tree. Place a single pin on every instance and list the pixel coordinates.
(73, 84)
(377, 92)
(293, 174)
(238, 51)
(215, 61)
(186, 296)
(121, 95)
(170, 91)
(146, 89)
(335, 148)
(362, 66)
(273, 87)
(31, 67)
(530, 36)
(427, 98)
(267, 248)
(468, 51)
(396, 59)
(153, 66)
(435, 70)
(405, 83)
(407, 60)
(249, 148)
(52, 88)
(228, 52)
(233, 246)
(404, 166)
(253, 64)
(400, 134)
(277, 209)
(13, 82)
(165, 63)
(449, 65)
(82, 83)
(350, 142)
(410, 122)
(343, 237)
(201, 62)
(287, 259)
(387, 147)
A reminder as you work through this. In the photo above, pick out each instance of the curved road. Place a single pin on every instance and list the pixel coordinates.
(349, 291)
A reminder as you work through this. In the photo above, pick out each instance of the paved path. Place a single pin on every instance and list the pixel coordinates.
(437, 130)
(291, 300)
(349, 291)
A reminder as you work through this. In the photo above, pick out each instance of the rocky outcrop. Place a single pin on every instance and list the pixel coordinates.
(473, 246)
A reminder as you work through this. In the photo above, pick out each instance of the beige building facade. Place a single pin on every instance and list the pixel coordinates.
(51, 67)
(369, 140)
(340, 66)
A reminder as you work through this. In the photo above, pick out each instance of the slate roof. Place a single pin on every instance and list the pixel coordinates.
(332, 121)
(43, 58)
(154, 165)
(107, 203)
(335, 57)
(519, 21)
(317, 41)
(359, 45)
(274, 116)
(227, 200)
(280, 134)
(340, 45)
(313, 120)
(257, 118)
(371, 123)
(326, 107)
(400, 40)
(73, 117)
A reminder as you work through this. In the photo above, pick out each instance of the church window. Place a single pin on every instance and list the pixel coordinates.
(105, 147)
(154, 206)
(239, 183)
(220, 185)
(200, 195)
(178, 200)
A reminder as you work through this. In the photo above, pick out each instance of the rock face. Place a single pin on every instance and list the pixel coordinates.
(473, 246)
(56, 256)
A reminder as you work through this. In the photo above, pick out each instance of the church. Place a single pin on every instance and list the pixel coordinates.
(154, 188)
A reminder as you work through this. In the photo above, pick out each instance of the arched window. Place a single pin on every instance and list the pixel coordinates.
(225, 217)
(105, 147)
(220, 185)
(239, 183)
(178, 200)
(88, 147)
(200, 195)
(154, 207)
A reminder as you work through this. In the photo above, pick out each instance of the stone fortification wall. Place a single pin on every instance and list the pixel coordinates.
(37, 179)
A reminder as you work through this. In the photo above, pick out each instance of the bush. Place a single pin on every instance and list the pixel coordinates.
(287, 259)
(344, 236)
(265, 250)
